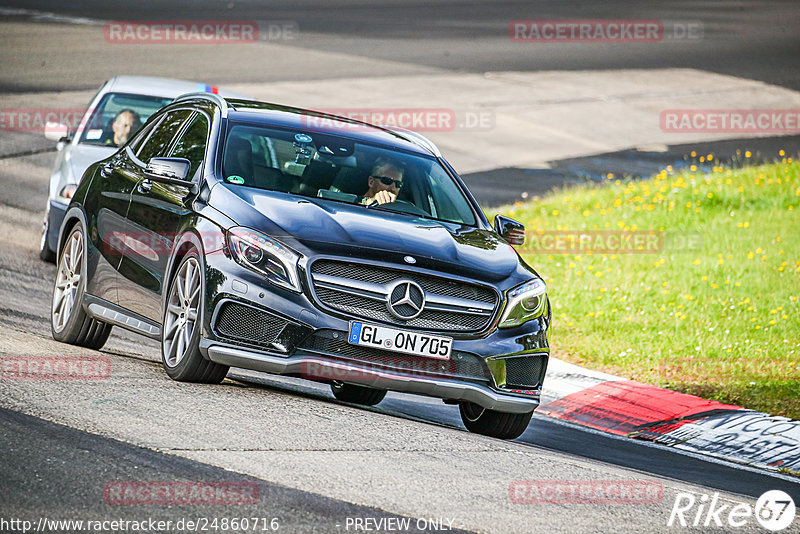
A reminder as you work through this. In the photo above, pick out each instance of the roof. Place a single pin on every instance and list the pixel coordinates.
(163, 87)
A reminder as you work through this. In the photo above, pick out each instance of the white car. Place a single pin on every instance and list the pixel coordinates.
(94, 139)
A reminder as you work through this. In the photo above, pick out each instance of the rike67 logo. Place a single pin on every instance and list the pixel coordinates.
(774, 511)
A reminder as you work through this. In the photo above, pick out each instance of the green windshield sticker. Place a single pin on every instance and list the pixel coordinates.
(233, 179)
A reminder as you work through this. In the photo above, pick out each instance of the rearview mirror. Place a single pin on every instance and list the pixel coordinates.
(169, 170)
(55, 131)
(510, 230)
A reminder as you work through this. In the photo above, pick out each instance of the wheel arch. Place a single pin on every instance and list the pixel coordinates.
(187, 241)
(73, 216)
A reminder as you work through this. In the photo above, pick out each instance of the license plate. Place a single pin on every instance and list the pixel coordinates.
(404, 341)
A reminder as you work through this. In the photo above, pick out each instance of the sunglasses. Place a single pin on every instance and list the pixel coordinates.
(385, 180)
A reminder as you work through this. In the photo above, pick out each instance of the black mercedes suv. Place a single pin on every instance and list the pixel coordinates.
(265, 237)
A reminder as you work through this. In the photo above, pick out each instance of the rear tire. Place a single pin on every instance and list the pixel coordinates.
(182, 322)
(69, 323)
(357, 394)
(492, 423)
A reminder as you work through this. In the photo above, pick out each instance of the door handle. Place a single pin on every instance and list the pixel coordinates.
(145, 186)
(106, 170)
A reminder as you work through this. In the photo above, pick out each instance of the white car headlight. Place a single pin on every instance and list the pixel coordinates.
(523, 303)
(265, 255)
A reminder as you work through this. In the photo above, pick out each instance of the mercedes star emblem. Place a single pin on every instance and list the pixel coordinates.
(405, 300)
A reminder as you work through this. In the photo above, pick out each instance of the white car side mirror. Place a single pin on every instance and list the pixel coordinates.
(55, 131)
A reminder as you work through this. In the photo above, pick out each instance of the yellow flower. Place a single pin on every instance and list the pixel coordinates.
(696, 262)
(747, 154)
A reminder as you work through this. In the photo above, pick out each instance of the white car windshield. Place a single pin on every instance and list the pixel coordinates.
(118, 116)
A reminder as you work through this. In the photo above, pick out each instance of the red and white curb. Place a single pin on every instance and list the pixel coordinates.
(641, 411)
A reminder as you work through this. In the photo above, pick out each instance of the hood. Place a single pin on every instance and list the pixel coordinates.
(320, 227)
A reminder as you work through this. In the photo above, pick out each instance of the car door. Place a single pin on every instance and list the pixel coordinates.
(109, 199)
(155, 214)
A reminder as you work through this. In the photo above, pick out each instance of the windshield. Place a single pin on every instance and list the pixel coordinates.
(343, 170)
(118, 116)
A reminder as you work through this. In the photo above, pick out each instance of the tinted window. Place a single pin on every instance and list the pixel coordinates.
(159, 141)
(340, 169)
(99, 129)
(142, 135)
(192, 144)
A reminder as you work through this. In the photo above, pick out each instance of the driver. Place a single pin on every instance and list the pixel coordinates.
(126, 122)
(385, 182)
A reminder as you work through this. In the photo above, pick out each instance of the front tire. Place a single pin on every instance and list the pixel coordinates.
(69, 323)
(45, 254)
(181, 326)
(492, 423)
(357, 394)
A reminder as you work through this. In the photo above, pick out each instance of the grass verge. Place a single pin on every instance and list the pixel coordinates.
(687, 281)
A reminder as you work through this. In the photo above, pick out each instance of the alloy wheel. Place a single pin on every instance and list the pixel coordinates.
(68, 279)
(182, 312)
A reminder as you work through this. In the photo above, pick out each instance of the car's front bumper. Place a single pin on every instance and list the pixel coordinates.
(55, 216)
(252, 324)
(317, 368)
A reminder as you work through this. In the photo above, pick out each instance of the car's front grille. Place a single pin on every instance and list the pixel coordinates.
(461, 365)
(525, 372)
(247, 324)
(362, 291)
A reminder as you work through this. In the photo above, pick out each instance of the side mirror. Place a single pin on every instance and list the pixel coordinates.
(169, 170)
(55, 131)
(510, 230)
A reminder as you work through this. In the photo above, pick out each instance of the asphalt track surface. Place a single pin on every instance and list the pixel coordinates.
(58, 470)
(755, 39)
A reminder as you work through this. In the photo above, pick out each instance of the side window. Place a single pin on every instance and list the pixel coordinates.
(158, 142)
(192, 144)
(141, 135)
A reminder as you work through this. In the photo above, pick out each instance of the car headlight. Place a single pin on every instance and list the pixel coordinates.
(265, 255)
(523, 303)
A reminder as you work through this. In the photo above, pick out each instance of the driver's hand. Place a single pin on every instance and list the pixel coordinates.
(382, 197)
